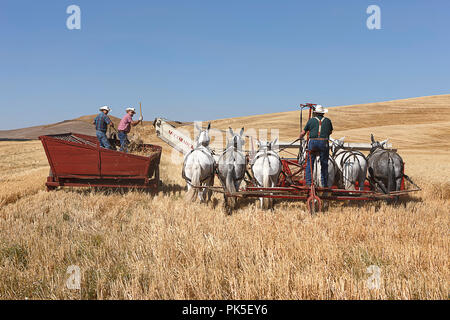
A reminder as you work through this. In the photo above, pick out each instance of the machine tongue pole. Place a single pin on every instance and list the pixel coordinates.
(300, 149)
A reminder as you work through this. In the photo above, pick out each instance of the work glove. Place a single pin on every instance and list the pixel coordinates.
(141, 118)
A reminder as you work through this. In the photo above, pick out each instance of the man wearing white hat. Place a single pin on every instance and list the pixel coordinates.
(102, 121)
(125, 126)
(320, 129)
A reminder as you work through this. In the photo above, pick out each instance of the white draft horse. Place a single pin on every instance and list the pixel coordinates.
(385, 167)
(232, 166)
(266, 168)
(352, 165)
(198, 168)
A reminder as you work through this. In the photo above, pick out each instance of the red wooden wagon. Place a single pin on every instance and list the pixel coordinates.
(78, 160)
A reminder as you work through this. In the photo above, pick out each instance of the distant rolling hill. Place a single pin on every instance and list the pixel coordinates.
(31, 133)
(90, 118)
(81, 125)
(414, 123)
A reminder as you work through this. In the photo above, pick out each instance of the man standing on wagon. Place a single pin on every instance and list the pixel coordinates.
(320, 129)
(125, 126)
(101, 123)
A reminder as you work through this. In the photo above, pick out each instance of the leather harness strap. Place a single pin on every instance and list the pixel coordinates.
(206, 153)
(258, 156)
(224, 153)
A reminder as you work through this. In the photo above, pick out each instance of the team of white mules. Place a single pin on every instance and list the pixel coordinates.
(346, 168)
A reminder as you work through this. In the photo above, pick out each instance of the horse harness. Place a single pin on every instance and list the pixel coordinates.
(216, 167)
(372, 179)
(258, 156)
(346, 154)
(202, 149)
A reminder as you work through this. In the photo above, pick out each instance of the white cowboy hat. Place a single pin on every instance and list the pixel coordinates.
(105, 108)
(319, 109)
(130, 109)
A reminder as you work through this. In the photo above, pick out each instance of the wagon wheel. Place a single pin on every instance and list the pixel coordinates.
(50, 174)
(51, 188)
(158, 182)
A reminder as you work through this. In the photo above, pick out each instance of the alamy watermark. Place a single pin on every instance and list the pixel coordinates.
(374, 20)
(221, 139)
(73, 282)
(374, 281)
(73, 22)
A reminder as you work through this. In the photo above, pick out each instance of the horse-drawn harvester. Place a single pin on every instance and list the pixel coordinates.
(291, 183)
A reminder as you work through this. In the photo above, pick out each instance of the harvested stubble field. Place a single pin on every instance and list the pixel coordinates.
(132, 245)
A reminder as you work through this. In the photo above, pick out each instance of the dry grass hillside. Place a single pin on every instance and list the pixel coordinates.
(81, 125)
(90, 118)
(132, 245)
(33, 133)
(418, 127)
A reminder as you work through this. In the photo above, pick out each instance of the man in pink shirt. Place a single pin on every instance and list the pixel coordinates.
(125, 126)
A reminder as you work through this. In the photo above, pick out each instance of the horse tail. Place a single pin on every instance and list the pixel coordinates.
(362, 175)
(266, 180)
(348, 171)
(266, 172)
(348, 175)
(195, 181)
(229, 183)
(391, 173)
(356, 170)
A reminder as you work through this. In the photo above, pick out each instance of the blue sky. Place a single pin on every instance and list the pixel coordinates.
(200, 60)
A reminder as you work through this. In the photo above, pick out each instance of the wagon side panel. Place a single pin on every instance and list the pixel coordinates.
(70, 159)
(155, 158)
(123, 165)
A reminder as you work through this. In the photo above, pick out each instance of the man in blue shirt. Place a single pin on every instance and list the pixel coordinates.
(101, 126)
(320, 129)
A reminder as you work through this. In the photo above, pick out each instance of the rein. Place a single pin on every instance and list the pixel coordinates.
(346, 155)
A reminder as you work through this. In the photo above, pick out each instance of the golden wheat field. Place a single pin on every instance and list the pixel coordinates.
(133, 245)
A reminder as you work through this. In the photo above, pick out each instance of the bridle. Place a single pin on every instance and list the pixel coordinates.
(198, 138)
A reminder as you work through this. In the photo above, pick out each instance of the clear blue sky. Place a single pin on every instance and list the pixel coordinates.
(199, 60)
